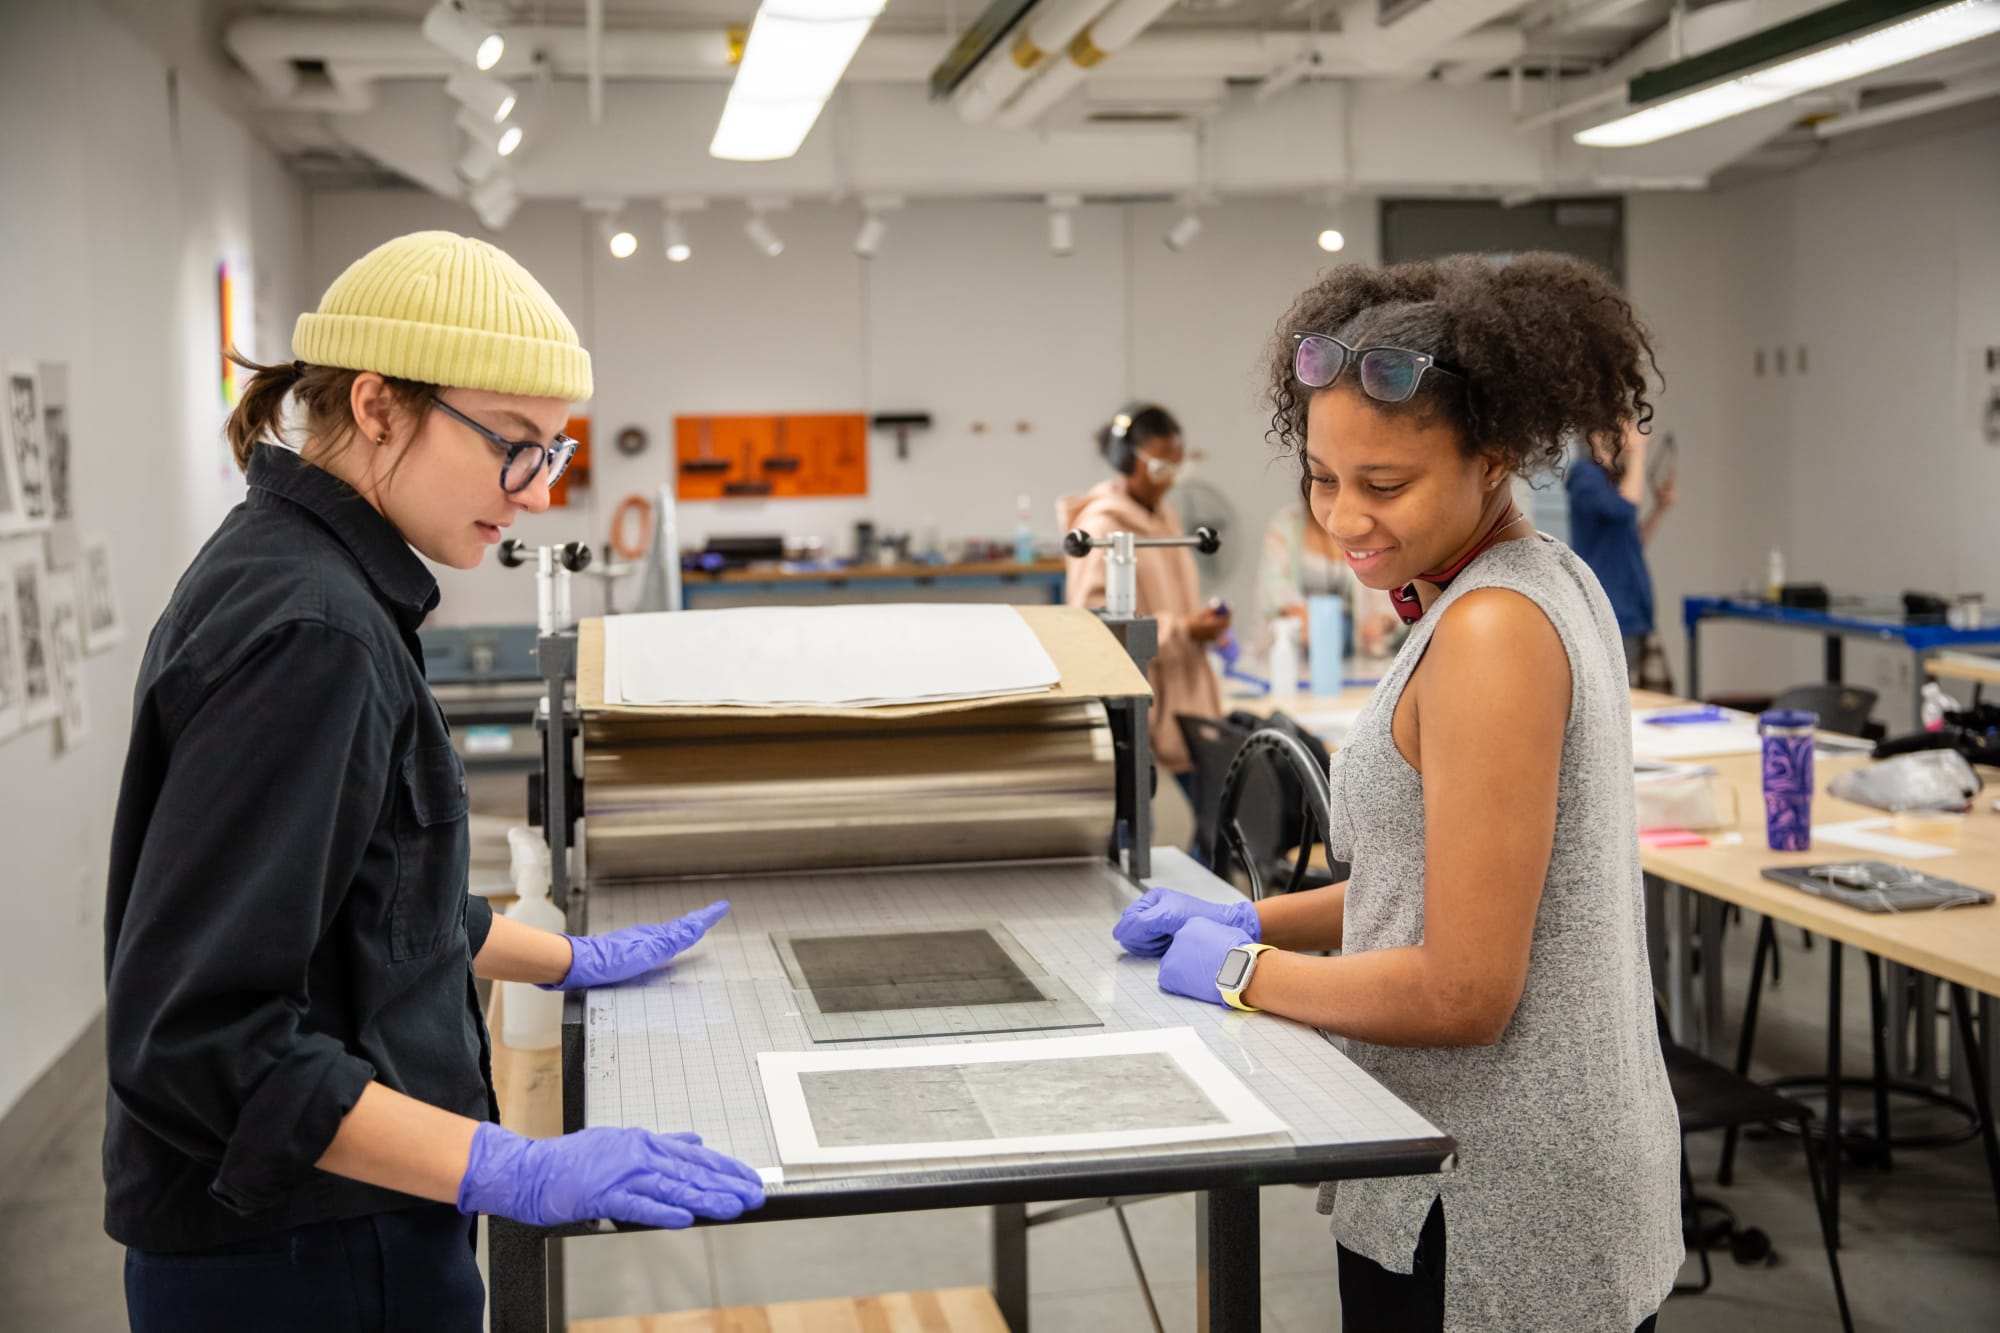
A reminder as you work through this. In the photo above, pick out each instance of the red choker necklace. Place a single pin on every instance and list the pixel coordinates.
(1407, 605)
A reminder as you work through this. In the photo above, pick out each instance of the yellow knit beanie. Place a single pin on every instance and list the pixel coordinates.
(446, 309)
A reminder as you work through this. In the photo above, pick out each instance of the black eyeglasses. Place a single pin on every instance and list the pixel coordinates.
(1387, 374)
(525, 458)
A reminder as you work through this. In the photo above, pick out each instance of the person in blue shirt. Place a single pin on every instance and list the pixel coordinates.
(1606, 494)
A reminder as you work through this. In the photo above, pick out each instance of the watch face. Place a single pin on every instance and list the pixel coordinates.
(1235, 967)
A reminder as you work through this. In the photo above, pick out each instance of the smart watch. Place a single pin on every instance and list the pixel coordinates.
(1233, 977)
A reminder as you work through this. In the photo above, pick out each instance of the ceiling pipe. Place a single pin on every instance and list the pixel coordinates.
(1419, 35)
(1021, 54)
(1107, 35)
(359, 53)
(1954, 94)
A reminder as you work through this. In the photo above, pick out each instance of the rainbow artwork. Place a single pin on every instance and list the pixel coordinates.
(226, 304)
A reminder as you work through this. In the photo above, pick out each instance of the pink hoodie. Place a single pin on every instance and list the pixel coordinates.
(1169, 591)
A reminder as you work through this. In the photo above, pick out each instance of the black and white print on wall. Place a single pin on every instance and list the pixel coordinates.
(38, 682)
(65, 543)
(23, 411)
(66, 661)
(102, 626)
(10, 668)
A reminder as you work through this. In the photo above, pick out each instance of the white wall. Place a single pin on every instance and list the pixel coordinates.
(1868, 470)
(122, 202)
(964, 314)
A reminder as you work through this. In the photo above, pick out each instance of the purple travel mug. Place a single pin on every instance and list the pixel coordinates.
(1788, 778)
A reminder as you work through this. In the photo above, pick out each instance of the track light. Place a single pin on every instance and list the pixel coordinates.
(451, 29)
(494, 201)
(869, 239)
(481, 94)
(623, 244)
(1181, 235)
(678, 249)
(502, 139)
(1062, 224)
(1331, 241)
(874, 226)
(479, 161)
(760, 234)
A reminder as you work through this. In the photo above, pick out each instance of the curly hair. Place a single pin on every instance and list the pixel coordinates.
(1546, 349)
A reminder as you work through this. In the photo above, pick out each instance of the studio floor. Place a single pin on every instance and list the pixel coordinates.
(1922, 1241)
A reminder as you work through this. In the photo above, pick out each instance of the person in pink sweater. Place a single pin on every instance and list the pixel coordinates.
(1144, 447)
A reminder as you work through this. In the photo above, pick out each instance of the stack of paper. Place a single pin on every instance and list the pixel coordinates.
(857, 656)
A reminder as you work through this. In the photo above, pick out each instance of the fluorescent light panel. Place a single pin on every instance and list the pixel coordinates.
(1939, 30)
(792, 62)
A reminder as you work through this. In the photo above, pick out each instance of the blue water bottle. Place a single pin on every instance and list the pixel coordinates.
(1326, 648)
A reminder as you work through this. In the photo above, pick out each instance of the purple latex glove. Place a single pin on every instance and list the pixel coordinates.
(599, 960)
(627, 1175)
(1150, 924)
(1195, 957)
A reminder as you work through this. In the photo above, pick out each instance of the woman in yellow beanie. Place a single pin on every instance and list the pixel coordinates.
(301, 1113)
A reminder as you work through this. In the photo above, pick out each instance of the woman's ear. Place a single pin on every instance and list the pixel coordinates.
(373, 407)
(1494, 471)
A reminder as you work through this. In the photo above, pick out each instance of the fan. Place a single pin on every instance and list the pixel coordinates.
(1203, 506)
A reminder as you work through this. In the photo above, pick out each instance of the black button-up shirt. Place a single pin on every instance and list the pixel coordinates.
(287, 918)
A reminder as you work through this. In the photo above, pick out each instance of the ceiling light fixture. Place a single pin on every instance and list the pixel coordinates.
(502, 139)
(494, 201)
(1698, 91)
(793, 60)
(1062, 224)
(451, 29)
(481, 94)
(868, 241)
(676, 237)
(1181, 235)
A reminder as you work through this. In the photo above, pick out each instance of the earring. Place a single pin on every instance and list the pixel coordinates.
(383, 438)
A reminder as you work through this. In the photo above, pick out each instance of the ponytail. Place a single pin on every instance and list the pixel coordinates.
(259, 412)
(322, 394)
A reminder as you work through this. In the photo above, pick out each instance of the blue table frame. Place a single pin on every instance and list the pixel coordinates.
(1883, 627)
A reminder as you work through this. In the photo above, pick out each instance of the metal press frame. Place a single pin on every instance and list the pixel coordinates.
(526, 1263)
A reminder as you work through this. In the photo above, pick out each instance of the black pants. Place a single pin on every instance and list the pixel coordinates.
(1375, 1300)
(402, 1272)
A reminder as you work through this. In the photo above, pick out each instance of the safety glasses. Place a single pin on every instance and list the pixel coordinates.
(1387, 374)
(525, 458)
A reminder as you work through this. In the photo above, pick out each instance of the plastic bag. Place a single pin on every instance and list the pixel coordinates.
(1927, 780)
(1680, 797)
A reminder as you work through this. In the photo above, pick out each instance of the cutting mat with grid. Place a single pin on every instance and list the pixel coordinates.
(679, 1050)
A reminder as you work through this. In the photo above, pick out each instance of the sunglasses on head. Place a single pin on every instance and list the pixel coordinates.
(524, 458)
(1387, 374)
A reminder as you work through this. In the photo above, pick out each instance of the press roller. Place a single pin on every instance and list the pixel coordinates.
(729, 795)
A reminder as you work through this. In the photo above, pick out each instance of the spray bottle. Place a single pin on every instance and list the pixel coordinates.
(530, 1017)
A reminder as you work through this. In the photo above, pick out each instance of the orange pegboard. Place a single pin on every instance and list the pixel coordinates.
(578, 471)
(782, 457)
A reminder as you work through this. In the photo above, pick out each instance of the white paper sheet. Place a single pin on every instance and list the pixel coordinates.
(799, 1139)
(1867, 835)
(854, 656)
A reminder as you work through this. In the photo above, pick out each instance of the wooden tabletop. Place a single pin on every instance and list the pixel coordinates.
(862, 573)
(528, 1083)
(1960, 944)
(1964, 666)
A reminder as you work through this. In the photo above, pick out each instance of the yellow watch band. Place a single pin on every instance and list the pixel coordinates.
(1234, 998)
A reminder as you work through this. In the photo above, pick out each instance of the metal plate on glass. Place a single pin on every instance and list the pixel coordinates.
(872, 985)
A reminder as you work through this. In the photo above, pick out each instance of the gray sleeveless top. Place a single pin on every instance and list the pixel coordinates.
(1564, 1210)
